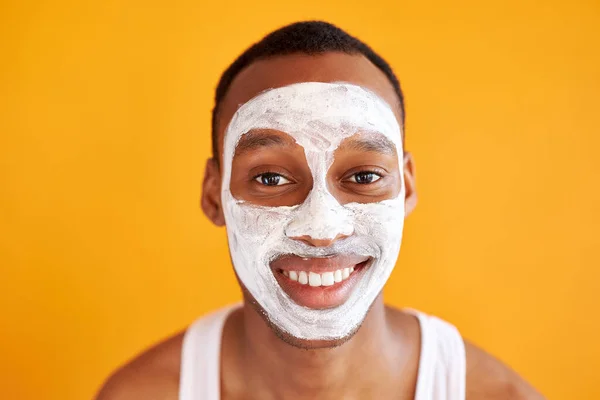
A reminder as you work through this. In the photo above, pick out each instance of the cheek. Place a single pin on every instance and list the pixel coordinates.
(381, 221)
(255, 226)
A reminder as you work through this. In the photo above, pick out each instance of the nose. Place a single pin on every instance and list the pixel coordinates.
(320, 221)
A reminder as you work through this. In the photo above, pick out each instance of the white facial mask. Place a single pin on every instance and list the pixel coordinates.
(319, 116)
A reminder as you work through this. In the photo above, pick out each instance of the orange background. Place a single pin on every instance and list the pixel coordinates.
(105, 127)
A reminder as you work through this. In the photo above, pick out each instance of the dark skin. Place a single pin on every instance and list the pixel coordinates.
(381, 360)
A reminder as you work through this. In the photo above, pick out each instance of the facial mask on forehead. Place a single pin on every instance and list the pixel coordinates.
(319, 116)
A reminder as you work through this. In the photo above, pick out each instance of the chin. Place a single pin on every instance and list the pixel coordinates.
(306, 344)
(311, 344)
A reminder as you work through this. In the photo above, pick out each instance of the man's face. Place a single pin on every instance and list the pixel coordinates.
(312, 190)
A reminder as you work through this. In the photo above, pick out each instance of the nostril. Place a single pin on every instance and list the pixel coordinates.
(319, 242)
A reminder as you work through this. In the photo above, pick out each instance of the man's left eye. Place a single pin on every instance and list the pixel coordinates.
(365, 177)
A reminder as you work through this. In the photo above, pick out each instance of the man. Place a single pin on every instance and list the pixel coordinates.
(310, 177)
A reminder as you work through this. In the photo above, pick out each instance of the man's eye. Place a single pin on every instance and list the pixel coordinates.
(365, 177)
(271, 179)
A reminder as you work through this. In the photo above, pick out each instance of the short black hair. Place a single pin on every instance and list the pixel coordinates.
(309, 37)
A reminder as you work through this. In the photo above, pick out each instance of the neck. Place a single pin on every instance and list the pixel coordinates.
(350, 370)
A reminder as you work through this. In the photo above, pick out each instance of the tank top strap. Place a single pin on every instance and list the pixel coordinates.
(442, 365)
(200, 357)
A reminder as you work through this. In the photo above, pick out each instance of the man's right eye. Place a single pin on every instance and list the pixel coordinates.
(271, 179)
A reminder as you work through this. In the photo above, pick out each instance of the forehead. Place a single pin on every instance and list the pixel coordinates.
(317, 115)
(296, 68)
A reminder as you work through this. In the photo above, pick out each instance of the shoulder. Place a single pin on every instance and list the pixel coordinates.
(488, 378)
(154, 374)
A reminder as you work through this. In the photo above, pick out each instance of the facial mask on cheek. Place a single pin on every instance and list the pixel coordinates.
(319, 116)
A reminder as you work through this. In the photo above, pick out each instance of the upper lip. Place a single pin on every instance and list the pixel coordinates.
(292, 262)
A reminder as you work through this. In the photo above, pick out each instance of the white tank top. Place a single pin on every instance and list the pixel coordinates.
(442, 365)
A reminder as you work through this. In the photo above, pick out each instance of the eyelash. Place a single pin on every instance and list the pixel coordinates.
(379, 175)
(267, 172)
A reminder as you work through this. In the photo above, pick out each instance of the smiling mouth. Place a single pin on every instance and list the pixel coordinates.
(320, 283)
(330, 278)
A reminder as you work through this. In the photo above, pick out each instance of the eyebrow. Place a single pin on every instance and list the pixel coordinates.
(379, 144)
(255, 139)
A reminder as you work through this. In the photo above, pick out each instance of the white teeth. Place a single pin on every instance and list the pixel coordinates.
(324, 279)
(302, 278)
(345, 273)
(337, 276)
(314, 279)
(327, 279)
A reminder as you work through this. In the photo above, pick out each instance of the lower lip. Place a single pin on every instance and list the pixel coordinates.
(321, 297)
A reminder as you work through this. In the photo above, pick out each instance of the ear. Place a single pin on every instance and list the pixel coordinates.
(211, 193)
(410, 197)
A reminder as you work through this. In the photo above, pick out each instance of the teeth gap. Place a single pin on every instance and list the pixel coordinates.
(323, 279)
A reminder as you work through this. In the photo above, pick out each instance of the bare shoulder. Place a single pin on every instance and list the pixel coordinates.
(154, 374)
(490, 379)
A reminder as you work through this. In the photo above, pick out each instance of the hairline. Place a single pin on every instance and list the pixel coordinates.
(216, 112)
